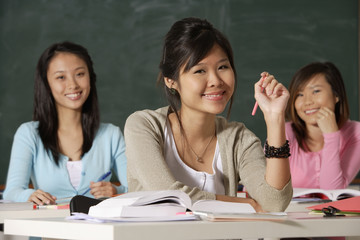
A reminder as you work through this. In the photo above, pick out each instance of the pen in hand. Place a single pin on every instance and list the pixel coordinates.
(256, 103)
(103, 177)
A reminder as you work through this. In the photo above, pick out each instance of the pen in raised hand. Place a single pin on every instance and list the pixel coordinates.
(256, 103)
(103, 177)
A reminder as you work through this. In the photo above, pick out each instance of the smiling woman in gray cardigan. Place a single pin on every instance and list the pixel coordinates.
(187, 147)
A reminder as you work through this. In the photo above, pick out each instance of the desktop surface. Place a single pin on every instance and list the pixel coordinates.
(298, 224)
(37, 213)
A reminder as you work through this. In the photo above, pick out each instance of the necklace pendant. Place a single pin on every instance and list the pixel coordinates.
(199, 159)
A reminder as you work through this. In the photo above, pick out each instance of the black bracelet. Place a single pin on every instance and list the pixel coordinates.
(281, 152)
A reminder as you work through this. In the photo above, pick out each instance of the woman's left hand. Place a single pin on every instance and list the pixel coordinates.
(326, 120)
(271, 95)
(102, 189)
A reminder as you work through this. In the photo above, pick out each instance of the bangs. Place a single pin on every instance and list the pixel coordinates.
(199, 48)
(302, 80)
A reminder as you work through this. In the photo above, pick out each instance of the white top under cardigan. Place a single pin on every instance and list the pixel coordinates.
(213, 183)
(74, 168)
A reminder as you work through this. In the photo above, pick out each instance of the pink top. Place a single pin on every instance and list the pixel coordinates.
(334, 166)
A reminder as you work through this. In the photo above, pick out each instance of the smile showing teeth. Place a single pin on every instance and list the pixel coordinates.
(214, 95)
(217, 95)
(311, 111)
(73, 95)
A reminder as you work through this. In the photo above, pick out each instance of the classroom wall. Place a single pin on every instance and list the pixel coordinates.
(124, 38)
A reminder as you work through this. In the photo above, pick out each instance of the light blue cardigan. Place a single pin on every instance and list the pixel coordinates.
(29, 160)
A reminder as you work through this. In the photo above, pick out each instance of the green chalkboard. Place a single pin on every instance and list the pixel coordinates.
(124, 37)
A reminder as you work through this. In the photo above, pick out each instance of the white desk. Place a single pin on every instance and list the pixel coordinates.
(38, 213)
(297, 225)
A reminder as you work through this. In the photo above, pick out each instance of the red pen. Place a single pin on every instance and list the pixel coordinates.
(256, 103)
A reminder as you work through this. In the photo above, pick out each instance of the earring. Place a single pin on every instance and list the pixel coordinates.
(172, 91)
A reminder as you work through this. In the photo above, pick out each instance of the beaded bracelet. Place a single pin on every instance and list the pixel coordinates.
(281, 152)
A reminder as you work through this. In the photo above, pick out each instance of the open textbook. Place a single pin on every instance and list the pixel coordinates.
(172, 205)
(161, 204)
(333, 195)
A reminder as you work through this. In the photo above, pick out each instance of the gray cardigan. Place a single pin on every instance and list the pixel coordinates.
(241, 152)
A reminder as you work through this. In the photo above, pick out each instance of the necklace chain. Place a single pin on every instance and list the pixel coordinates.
(199, 158)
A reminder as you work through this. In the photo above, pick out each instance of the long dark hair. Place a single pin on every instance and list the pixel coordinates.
(188, 42)
(300, 79)
(44, 104)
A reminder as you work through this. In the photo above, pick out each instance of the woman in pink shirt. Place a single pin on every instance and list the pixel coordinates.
(324, 143)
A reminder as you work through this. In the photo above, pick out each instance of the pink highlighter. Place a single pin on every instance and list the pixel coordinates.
(256, 103)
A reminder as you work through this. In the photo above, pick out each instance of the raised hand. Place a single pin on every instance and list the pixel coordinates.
(271, 95)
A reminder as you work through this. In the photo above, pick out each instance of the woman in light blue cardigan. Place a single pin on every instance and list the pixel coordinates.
(66, 149)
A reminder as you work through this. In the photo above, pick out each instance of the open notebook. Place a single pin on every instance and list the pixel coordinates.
(332, 195)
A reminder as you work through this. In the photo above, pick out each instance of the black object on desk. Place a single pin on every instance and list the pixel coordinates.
(82, 204)
(331, 211)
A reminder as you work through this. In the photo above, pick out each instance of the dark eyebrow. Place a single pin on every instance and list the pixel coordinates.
(61, 71)
(224, 60)
(315, 86)
(79, 68)
(220, 61)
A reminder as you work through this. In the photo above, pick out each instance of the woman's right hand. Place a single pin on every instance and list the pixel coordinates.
(102, 189)
(40, 197)
(251, 201)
